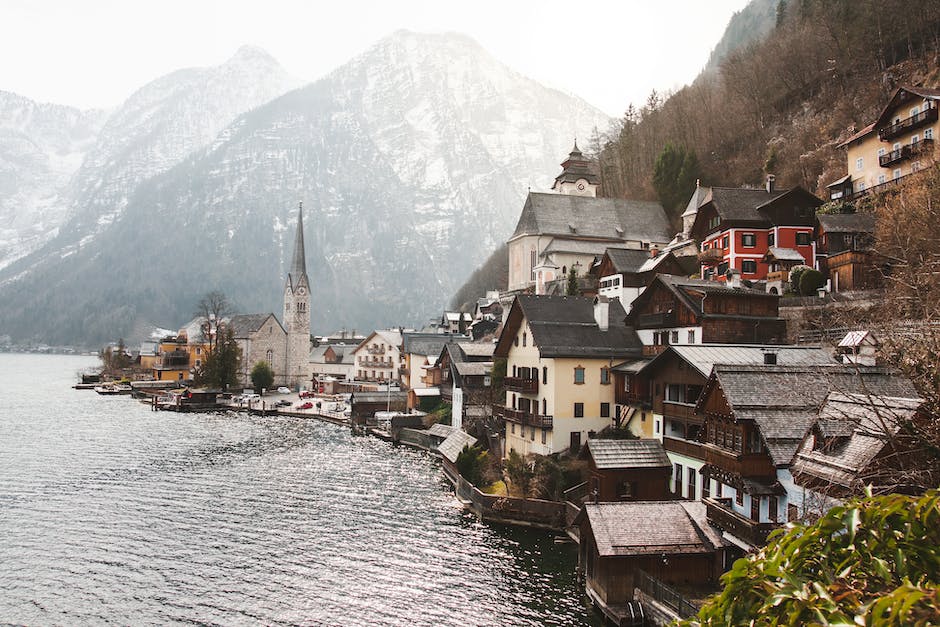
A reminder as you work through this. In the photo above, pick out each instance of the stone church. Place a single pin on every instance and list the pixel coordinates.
(286, 347)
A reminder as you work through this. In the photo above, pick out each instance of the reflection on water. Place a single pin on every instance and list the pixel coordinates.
(112, 513)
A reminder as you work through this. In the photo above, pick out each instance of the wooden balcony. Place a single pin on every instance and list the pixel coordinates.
(657, 320)
(924, 146)
(683, 447)
(908, 124)
(524, 418)
(375, 350)
(779, 275)
(681, 411)
(622, 397)
(525, 386)
(756, 465)
(719, 513)
(711, 257)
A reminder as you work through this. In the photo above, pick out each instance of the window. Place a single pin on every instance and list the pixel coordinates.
(544, 375)
(579, 410)
(748, 240)
(928, 133)
(772, 508)
(739, 497)
(691, 481)
(915, 139)
(674, 393)
(802, 239)
(725, 241)
(748, 266)
(544, 437)
(524, 338)
(706, 488)
(860, 186)
(532, 434)
(513, 427)
(677, 478)
(713, 222)
(544, 406)
(896, 174)
(515, 341)
(605, 376)
(915, 166)
(605, 410)
(642, 416)
(656, 427)
(859, 163)
(881, 152)
(771, 238)
(692, 336)
(198, 362)
(532, 264)
(674, 337)
(881, 179)
(579, 375)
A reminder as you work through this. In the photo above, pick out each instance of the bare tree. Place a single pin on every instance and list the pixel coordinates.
(213, 308)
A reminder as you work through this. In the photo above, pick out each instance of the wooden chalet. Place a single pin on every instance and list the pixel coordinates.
(845, 252)
(675, 310)
(755, 420)
(624, 273)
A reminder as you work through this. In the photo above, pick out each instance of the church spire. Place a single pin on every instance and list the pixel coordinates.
(298, 267)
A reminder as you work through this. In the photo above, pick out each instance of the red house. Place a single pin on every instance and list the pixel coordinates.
(737, 226)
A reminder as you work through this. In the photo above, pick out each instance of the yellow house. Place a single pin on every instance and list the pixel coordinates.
(558, 352)
(177, 358)
(900, 142)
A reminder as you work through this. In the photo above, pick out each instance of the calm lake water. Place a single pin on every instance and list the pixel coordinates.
(111, 513)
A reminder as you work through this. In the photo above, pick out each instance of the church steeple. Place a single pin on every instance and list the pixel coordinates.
(297, 311)
(578, 175)
(298, 267)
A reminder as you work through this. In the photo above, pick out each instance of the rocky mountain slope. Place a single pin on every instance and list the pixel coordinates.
(41, 146)
(412, 161)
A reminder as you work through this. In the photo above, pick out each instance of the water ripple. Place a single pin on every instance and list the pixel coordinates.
(111, 513)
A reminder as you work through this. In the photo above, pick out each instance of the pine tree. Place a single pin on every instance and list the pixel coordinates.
(572, 287)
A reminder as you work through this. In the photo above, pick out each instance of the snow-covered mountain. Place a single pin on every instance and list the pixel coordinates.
(41, 147)
(412, 160)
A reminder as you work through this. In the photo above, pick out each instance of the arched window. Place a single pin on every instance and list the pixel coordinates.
(269, 356)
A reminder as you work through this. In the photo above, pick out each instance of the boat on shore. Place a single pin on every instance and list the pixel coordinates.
(107, 389)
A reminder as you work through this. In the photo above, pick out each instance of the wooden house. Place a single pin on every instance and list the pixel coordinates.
(628, 470)
(624, 273)
(845, 252)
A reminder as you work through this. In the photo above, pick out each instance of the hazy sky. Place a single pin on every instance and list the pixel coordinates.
(95, 53)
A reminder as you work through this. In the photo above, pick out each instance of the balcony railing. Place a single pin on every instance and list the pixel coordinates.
(518, 384)
(375, 350)
(711, 257)
(682, 411)
(623, 397)
(375, 363)
(906, 152)
(779, 275)
(524, 418)
(743, 464)
(719, 513)
(899, 128)
(683, 447)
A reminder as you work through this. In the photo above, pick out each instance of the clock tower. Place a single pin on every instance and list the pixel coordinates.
(578, 177)
(297, 312)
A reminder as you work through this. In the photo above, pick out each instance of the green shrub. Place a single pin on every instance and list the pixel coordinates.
(471, 462)
(810, 281)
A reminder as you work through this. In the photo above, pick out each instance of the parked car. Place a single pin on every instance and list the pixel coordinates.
(282, 403)
(307, 405)
(283, 390)
(307, 394)
(251, 397)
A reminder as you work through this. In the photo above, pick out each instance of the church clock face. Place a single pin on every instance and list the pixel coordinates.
(580, 187)
(301, 291)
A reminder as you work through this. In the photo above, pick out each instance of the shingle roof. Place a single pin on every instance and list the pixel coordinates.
(784, 254)
(477, 349)
(450, 448)
(783, 400)
(847, 222)
(864, 424)
(740, 204)
(576, 246)
(473, 368)
(609, 454)
(429, 344)
(440, 431)
(699, 198)
(703, 357)
(564, 326)
(650, 527)
(584, 216)
(627, 259)
(243, 325)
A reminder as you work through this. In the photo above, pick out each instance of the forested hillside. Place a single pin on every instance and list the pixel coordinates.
(778, 105)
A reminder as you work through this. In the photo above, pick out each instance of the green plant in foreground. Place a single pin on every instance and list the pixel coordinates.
(873, 561)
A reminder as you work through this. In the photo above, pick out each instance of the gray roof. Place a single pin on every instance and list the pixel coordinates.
(699, 197)
(650, 527)
(608, 454)
(564, 326)
(244, 325)
(847, 222)
(454, 443)
(783, 400)
(627, 259)
(395, 396)
(784, 254)
(298, 266)
(703, 357)
(613, 219)
(429, 344)
(440, 431)
(473, 368)
(477, 349)
(863, 425)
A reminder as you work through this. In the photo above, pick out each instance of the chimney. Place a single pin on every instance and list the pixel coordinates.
(770, 183)
(733, 278)
(654, 251)
(601, 312)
